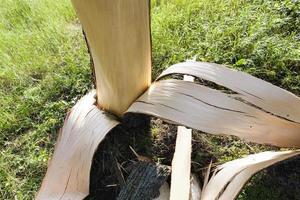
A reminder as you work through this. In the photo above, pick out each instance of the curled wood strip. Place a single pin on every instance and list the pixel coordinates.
(256, 91)
(68, 173)
(212, 111)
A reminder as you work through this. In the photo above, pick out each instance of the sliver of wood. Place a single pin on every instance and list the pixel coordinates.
(181, 163)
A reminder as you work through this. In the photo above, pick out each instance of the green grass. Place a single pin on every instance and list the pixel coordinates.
(44, 66)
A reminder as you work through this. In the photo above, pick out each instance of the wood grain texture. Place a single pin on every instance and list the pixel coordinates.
(118, 33)
(68, 172)
(212, 111)
(181, 163)
(256, 91)
(228, 179)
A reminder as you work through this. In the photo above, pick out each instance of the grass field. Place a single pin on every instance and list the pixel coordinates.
(44, 67)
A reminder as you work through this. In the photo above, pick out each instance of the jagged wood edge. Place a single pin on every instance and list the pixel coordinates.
(254, 90)
(212, 111)
(68, 172)
(181, 162)
(228, 179)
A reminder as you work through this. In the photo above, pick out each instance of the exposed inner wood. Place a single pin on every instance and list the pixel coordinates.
(118, 33)
(254, 90)
(229, 178)
(68, 173)
(214, 112)
(181, 163)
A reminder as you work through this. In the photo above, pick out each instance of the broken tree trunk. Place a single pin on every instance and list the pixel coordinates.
(118, 33)
(144, 181)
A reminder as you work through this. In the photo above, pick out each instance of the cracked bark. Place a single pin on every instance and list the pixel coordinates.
(144, 181)
(92, 66)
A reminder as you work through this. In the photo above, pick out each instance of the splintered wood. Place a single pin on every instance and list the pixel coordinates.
(118, 33)
(228, 179)
(214, 112)
(68, 173)
(249, 88)
(181, 163)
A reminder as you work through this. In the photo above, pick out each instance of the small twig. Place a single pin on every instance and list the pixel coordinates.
(139, 157)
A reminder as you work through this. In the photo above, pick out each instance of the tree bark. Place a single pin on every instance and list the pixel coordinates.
(144, 182)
